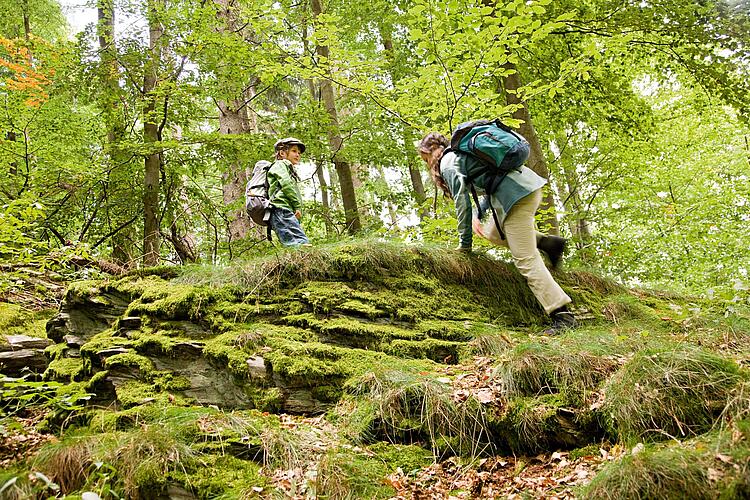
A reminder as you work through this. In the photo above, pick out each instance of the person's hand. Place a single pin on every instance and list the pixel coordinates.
(298, 214)
(476, 225)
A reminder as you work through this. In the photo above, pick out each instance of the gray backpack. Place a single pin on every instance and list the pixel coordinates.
(257, 204)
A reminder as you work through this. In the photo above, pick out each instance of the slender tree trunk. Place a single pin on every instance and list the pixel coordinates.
(325, 196)
(392, 213)
(234, 118)
(109, 75)
(536, 162)
(151, 237)
(578, 225)
(335, 141)
(26, 20)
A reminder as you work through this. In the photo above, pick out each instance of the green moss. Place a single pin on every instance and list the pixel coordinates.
(89, 290)
(162, 299)
(327, 393)
(313, 362)
(225, 349)
(130, 360)
(108, 339)
(133, 393)
(266, 399)
(64, 369)
(441, 351)
(15, 320)
(409, 458)
(222, 476)
(157, 343)
(460, 331)
(56, 351)
(532, 424)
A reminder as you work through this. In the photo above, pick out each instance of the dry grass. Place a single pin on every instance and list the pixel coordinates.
(67, 463)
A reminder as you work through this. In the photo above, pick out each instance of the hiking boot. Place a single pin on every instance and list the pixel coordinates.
(553, 247)
(562, 320)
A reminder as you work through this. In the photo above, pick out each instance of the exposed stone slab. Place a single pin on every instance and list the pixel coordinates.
(12, 363)
(257, 367)
(26, 342)
(86, 316)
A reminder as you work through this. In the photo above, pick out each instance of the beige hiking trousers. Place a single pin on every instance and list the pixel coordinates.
(520, 231)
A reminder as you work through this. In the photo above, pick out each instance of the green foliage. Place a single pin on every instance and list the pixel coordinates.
(23, 393)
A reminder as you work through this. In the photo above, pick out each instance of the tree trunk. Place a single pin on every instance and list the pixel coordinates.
(235, 119)
(26, 21)
(536, 162)
(109, 75)
(579, 226)
(325, 197)
(335, 141)
(151, 238)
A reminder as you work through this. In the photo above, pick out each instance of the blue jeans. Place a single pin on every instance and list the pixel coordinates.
(287, 227)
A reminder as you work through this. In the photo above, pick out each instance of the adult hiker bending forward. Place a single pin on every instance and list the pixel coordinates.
(515, 201)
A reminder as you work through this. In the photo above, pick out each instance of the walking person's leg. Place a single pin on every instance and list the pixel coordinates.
(287, 227)
(521, 238)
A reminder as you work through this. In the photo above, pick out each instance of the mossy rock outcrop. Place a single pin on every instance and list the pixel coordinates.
(289, 345)
(388, 345)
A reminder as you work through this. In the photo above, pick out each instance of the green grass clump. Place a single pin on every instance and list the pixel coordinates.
(410, 407)
(140, 451)
(713, 465)
(668, 393)
(672, 473)
(534, 368)
(345, 474)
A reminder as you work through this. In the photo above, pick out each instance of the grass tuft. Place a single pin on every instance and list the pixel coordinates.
(408, 407)
(67, 462)
(535, 368)
(668, 393)
(664, 474)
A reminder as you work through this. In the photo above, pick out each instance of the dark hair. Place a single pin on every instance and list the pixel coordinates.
(433, 144)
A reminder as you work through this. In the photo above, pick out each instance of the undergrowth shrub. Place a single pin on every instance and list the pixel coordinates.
(668, 393)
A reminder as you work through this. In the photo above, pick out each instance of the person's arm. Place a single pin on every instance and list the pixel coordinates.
(291, 190)
(460, 190)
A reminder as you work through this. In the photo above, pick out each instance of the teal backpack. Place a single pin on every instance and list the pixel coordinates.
(497, 145)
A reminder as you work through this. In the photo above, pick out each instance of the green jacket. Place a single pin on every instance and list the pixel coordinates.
(283, 191)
